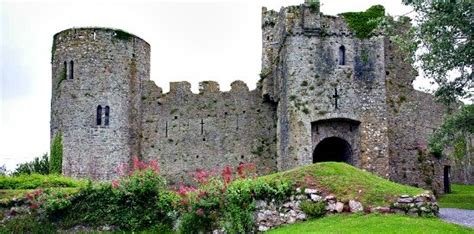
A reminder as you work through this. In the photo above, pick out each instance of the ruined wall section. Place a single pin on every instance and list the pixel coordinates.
(108, 69)
(305, 77)
(186, 131)
(413, 116)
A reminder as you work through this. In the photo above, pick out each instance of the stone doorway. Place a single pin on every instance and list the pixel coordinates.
(447, 182)
(333, 149)
(337, 140)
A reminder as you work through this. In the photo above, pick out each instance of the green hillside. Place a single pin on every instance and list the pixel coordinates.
(346, 182)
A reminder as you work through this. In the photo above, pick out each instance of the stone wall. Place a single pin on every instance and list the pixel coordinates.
(108, 69)
(413, 116)
(186, 131)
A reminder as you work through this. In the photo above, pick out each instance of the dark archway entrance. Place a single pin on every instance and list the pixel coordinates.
(447, 182)
(333, 149)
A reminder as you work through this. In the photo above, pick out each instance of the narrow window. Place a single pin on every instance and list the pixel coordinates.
(107, 113)
(99, 115)
(71, 70)
(342, 55)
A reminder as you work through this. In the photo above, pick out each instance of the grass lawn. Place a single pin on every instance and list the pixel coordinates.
(462, 197)
(346, 182)
(373, 223)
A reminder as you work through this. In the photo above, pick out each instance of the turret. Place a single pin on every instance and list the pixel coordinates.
(97, 76)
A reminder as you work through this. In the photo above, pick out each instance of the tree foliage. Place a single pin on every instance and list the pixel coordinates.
(453, 133)
(38, 165)
(443, 32)
(56, 161)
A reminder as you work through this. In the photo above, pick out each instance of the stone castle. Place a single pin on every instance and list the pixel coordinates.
(324, 95)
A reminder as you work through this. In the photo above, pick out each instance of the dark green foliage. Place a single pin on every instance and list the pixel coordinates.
(364, 23)
(444, 30)
(137, 202)
(216, 204)
(38, 165)
(313, 209)
(304, 83)
(56, 160)
(314, 5)
(122, 35)
(34, 181)
(453, 132)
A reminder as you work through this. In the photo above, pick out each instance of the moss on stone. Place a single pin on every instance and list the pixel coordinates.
(122, 35)
(53, 49)
(363, 23)
(62, 77)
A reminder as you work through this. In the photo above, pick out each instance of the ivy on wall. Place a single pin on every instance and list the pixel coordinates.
(364, 23)
(56, 160)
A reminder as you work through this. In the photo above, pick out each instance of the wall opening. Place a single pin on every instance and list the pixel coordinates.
(342, 55)
(333, 149)
(447, 181)
(71, 70)
(107, 115)
(98, 118)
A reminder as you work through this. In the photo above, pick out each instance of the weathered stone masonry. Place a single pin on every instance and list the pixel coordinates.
(321, 88)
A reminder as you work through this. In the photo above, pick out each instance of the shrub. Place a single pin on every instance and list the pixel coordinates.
(137, 201)
(35, 181)
(313, 209)
(38, 165)
(55, 163)
(227, 200)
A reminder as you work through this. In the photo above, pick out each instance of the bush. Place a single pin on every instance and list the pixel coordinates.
(35, 181)
(313, 209)
(55, 164)
(137, 201)
(227, 200)
(38, 165)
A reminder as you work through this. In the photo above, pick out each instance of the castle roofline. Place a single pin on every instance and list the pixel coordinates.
(104, 29)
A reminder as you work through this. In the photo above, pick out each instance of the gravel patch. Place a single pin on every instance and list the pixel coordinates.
(458, 216)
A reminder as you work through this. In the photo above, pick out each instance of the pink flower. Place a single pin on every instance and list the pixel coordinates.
(200, 212)
(227, 174)
(183, 190)
(201, 176)
(115, 183)
(244, 169)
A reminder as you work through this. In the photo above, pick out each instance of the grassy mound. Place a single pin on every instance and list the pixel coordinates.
(374, 223)
(346, 182)
(462, 197)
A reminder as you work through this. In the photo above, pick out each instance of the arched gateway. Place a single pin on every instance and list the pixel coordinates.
(336, 139)
(333, 149)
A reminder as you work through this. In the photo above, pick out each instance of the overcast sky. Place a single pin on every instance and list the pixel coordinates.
(190, 40)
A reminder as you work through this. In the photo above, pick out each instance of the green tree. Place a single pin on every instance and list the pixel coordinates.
(443, 34)
(56, 161)
(39, 165)
(453, 133)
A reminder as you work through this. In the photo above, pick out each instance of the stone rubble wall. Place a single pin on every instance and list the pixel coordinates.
(186, 131)
(272, 214)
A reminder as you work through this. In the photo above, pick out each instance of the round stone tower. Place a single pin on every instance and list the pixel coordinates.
(97, 76)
